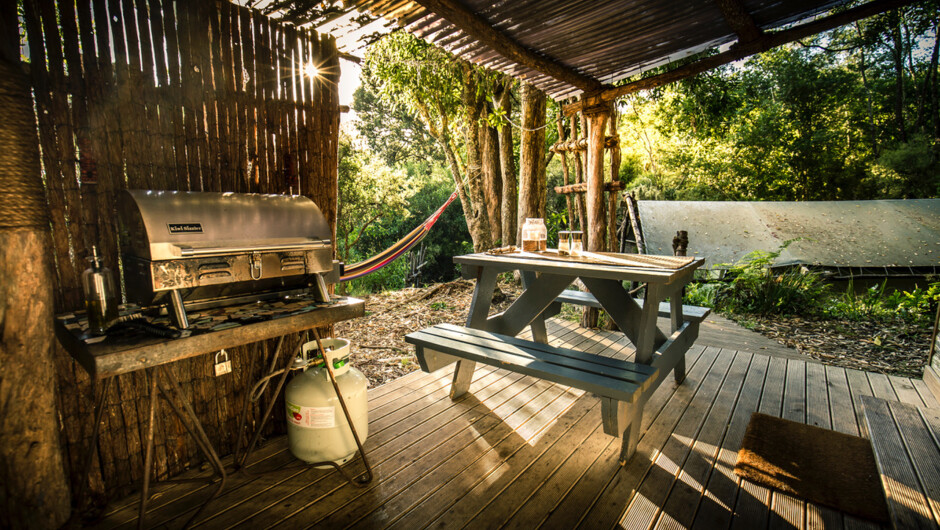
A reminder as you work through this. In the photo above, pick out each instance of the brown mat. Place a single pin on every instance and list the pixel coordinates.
(826, 467)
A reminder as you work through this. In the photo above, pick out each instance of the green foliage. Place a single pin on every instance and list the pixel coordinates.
(424, 78)
(918, 305)
(850, 114)
(389, 278)
(389, 129)
(369, 192)
(755, 288)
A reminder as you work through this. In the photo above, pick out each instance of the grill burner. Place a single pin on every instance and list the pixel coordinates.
(201, 249)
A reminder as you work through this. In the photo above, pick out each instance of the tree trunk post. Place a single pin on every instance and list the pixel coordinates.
(507, 163)
(531, 177)
(579, 174)
(34, 492)
(596, 227)
(613, 198)
(596, 209)
(492, 179)
(473, 109)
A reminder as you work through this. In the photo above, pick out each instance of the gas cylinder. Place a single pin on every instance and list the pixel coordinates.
(317, 430)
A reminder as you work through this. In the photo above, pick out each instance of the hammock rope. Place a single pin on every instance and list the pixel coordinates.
(403, 245)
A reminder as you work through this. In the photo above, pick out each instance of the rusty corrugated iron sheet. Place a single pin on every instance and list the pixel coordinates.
(887, 234)
(608, 40)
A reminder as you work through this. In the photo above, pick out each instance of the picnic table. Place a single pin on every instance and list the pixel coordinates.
(623, 386)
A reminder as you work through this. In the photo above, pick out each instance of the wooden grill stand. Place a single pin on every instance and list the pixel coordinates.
(124, 353)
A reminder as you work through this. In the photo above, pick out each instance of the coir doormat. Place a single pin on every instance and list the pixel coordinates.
(818, 465)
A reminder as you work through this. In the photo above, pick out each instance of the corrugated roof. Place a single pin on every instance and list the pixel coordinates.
(608, 40)
(839, 234)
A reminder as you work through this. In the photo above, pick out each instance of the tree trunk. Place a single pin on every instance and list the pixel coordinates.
(597, 212)
(507, 163)
(455, 170)
(33, 488)
(579, 173)
(531, 174)
(565, 174)
(492, 180)
(613, 197)
(898, 56)
(596, 209)
(473, 110)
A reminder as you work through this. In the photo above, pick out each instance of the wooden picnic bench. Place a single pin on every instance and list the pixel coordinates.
(623, 386)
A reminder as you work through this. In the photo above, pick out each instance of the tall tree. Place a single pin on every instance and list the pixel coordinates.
(510, 187)
(446, 94)
(532, 184)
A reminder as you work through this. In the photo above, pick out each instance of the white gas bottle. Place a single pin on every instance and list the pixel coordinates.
(317, 430)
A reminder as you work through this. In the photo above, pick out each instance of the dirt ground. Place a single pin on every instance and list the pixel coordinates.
(381, 353)
(377, 341)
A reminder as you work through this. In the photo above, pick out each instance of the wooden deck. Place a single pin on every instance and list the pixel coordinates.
(522, 453)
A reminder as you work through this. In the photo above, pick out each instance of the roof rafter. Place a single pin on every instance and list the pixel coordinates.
(478, 28)
(739, 20)
(742, 50)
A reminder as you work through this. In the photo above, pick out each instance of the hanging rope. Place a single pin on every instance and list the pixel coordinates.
(395, 251)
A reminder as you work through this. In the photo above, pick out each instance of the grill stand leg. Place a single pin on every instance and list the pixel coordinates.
(193, 426)
(100, 392)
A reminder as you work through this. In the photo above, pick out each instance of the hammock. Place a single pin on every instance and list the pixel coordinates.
(395, 251)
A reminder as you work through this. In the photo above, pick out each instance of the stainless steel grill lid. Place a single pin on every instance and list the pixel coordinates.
(198, 246)
(166, 225)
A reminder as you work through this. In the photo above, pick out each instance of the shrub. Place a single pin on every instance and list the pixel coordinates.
(917, 306)
(755, 288)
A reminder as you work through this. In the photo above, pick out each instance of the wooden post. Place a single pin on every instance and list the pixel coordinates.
(564, 168)
(597, 218)
(613, 198)
(33, 488)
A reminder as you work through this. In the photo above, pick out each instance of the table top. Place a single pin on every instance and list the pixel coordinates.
(127, 349)
(605, 265)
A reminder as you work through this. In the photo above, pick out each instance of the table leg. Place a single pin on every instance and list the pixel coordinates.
(531, 305)
(479, 310)
(647, 330)
(623, 309)
(623, 420)
(539, 333)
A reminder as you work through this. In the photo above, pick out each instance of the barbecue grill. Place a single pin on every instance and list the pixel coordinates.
(192, 250)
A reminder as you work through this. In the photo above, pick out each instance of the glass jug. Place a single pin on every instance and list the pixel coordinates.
(534, 235)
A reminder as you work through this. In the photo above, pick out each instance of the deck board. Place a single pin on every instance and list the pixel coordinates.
(516, 452)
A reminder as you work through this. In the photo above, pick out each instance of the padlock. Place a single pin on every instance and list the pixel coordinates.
(222, 367)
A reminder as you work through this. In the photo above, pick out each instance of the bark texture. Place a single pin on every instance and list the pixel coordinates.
(492, 180)
(33, 488)
(507, 162)
(597, 212)
(473, 103)
(531, 167)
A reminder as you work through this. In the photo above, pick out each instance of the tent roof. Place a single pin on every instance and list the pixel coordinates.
(839, 234)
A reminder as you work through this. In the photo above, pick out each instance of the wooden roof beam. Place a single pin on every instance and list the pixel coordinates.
(739, 20)
(477, 27)
(742, 50)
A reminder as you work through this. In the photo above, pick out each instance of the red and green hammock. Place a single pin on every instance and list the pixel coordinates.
(395, 251)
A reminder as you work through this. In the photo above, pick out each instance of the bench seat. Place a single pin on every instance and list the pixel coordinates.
(689, 312)
(622, 386)
(603, 376)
